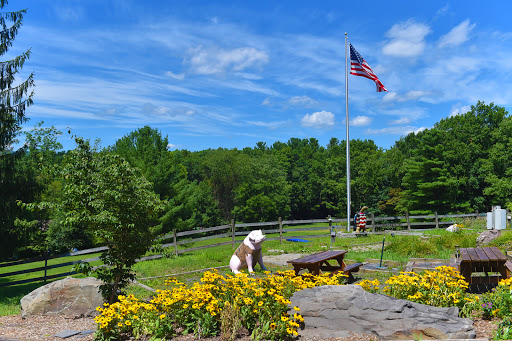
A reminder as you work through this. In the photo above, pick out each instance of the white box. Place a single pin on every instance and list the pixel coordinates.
(500, 219)
(489, 220)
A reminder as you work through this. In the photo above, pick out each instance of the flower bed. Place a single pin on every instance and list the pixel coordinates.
(216, 304)
(443, 287)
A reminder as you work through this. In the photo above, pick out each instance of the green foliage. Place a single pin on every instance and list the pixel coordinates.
(192, 205)
(146, 150)
(264, 194)
(427, 247)
(224, 171)
(460, 164)
(16, 180)
(504, 329)
(104, 194)
(504, 241)
(14, 98)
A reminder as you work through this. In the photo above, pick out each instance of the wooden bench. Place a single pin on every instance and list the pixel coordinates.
(489, 262)
(320, 262)
(508, 267)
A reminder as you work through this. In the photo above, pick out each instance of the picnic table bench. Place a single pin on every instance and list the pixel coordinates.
(487, 260)
(320, 262)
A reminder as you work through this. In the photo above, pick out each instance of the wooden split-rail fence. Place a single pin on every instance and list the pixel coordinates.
(40, 266)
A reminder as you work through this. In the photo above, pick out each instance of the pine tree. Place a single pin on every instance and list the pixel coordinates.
(14, 98)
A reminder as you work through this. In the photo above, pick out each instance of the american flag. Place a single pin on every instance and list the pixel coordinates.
(359, 67)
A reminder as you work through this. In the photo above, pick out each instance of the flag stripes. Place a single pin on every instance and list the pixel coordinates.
(359, 67)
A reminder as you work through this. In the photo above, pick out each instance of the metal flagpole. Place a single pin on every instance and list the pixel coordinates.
(348, 140)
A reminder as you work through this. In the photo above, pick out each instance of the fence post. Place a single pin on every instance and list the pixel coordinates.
(233, 233)
(408, 221)
(174, 241)
(280, 230)
(373, 222)
(331, 231)
(45, 264)
(437, 221)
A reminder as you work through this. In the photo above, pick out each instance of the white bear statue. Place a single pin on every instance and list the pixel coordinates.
(248, 254)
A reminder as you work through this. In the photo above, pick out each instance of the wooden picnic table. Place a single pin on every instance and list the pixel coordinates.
(487, 260)
(320, 262)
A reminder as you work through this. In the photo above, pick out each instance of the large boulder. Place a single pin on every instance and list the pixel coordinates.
(487, 236)
(69, 296)
(336, 311)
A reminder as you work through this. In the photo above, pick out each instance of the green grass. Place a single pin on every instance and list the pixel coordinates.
(38, 264)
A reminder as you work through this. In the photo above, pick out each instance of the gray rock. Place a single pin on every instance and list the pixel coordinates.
(335, 311)
(69, 296)
(487, 236)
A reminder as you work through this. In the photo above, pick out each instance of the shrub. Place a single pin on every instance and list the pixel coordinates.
(504, 330)
(498, 302)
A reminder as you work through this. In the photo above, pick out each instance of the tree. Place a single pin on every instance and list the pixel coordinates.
(225, 170)
(104, 194)
(264, 194)
(14, 99)
(190, 205)
(471, 142)
(146, 150)
(427, 184)
(31, 228)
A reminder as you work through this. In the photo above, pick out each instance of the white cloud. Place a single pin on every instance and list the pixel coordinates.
(361, 121)
(180, 76)
(67, 13)
(459, 110)
(215, 60)
(458, 35)
(407, 39)
(413, 95)
(395, 130)
(302, 100)
(319, 119)
(417, 130)
(401, 121)
(443, 10)
(389, 97)
(250, 76)
(462, 65)
(269, 125)
(152, 110)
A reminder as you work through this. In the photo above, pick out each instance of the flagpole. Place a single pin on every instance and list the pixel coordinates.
(348, 139)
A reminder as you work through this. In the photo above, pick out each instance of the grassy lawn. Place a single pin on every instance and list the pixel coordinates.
(436, 243)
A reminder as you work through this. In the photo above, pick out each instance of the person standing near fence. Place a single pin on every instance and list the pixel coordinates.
(361, 220)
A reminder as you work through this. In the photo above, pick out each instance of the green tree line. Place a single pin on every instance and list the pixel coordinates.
(461, 164)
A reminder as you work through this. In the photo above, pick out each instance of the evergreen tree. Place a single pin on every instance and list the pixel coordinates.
(14, 100)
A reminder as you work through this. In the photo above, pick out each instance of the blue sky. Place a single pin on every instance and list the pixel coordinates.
(229, 74)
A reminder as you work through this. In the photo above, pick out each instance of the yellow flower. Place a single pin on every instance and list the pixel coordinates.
(162, 316)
